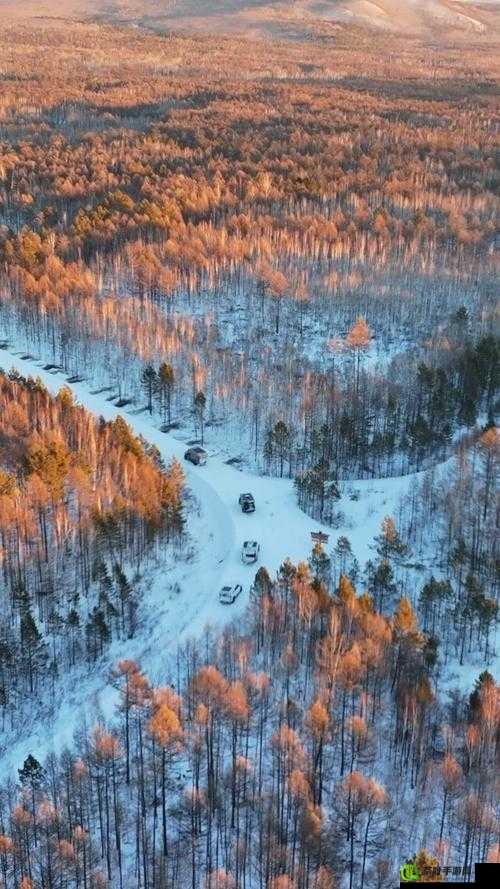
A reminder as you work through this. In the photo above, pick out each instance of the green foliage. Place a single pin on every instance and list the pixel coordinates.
(320, 563)
(51, 461)
(149, 380)
(483, 680)
(277, 445)
(381, 582)
(125, 438)
(32, 774)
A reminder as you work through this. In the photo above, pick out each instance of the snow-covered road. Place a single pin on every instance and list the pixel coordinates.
(217, 534)
(280, 527)
(277, 524)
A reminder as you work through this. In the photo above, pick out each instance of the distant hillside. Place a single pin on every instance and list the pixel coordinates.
(294, 18)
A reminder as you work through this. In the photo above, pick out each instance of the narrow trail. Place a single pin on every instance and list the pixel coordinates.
(278, 525)
(216, 530)
(221, 539)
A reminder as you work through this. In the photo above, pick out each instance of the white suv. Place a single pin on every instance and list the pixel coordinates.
(229, 594)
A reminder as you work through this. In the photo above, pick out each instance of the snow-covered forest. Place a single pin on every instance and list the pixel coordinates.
(82, 501)
(283, 252)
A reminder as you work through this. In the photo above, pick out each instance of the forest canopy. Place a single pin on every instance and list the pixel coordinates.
(283, 251)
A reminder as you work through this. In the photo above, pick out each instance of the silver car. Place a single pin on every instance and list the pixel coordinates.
(229, 594)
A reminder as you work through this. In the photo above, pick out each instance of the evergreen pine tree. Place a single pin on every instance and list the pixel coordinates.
(320, 563)
(33, 648)
(381, 583)
(149, 381)
(31, 778)
(166, 381)
(199, 407)
(124, 592)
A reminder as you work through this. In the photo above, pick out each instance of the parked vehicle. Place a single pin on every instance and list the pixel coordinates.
(196, 455)
(246, 502)
(250, 552)
(229, 594)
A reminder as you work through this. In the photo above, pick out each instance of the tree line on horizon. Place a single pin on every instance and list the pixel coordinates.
(157, 220)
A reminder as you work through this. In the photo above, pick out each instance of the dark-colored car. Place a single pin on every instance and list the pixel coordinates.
(196, 455)
(250, 552)
(246, 502)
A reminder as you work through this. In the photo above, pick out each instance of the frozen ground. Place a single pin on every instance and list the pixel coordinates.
(181, 599)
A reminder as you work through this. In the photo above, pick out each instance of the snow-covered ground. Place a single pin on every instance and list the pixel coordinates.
(181, 600)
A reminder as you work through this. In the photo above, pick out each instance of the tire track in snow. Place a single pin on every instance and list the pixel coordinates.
(219, 543)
